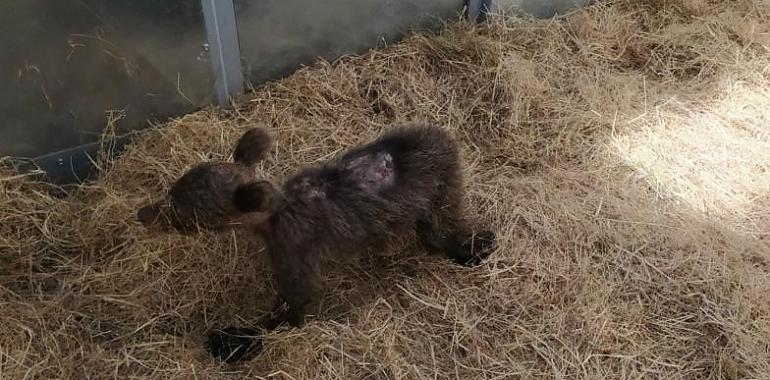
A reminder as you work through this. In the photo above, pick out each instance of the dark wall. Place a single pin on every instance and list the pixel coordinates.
(276, 36)
(66, 64)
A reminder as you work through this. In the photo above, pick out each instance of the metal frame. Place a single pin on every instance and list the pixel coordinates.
(76, 164)
(224, 49)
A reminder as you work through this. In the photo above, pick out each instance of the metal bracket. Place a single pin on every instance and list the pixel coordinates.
(76, 165)
(225, 52)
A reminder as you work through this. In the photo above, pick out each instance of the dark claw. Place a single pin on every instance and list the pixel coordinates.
(234, 344)
(479, 247)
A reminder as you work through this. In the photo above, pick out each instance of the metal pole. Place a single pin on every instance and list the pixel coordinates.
(477, 10)
(224, 51)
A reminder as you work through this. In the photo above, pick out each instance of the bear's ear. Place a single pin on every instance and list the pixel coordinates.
(258, 196)
(252, 147)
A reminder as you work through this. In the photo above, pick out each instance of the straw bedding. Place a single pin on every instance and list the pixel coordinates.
(621, 154)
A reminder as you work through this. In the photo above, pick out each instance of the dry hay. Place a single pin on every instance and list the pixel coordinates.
(622, 155)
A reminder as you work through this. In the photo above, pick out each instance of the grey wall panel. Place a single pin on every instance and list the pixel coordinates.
(276, 36)
(169, 34)
(65, 64)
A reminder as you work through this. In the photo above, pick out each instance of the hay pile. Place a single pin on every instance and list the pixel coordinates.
(622, 155)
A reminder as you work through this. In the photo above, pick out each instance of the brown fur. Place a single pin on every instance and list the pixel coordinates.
(407, 179)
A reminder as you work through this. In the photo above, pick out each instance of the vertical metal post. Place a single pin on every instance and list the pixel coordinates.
(476, 10)
(224, 51)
